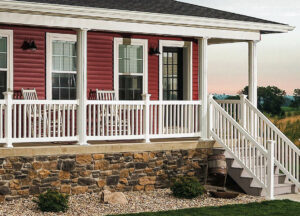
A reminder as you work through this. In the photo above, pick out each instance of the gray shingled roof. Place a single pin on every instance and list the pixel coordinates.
(157, 6)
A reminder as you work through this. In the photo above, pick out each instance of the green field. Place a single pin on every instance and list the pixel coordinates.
(289, 124)
(268, 208)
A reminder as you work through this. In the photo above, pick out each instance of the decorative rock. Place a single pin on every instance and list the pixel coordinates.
(64, 175)
(98, 156)
(84, 159)
(4, 190)
(113, 198)
(37, 165)
(147, 180)
(124, 173)
(101, 165)
(86, 181)
(79, 189)
(15, 184)
(101, 183)
(43, 173)
(112, 180)
(65, 189)
(34, 190)
(149, 188)
(68, 165)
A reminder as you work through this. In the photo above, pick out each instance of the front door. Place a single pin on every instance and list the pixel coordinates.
(173, 73)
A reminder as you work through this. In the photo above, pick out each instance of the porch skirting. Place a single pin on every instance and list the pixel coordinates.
(78, 169)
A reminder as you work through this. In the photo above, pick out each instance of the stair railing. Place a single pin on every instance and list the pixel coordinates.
(286, 153)
(246, 151)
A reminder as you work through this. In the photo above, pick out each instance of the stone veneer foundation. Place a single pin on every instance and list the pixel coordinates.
(77, 173)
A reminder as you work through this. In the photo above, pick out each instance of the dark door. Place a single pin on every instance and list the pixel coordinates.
(173, 73)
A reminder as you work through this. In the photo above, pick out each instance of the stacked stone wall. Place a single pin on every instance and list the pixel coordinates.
(81, 173)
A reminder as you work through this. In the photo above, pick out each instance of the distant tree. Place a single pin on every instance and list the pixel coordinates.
(233, 97)
(296, 95)
(269, 99)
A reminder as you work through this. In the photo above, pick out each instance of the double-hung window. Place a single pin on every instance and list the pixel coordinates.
(130, 68)
(63, 58)
(5, 61)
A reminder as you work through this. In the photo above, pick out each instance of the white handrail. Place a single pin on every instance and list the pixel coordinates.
(257, 125)
(287, 154)
(241, 146)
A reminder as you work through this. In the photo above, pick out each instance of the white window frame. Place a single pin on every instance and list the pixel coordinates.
(10, 60)
(188, 66)
(50, 37)
(130, 41)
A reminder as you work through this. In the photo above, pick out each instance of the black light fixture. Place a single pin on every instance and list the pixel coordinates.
(29, 45)
(154, 51)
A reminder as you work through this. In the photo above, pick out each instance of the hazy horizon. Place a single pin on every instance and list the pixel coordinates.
(278, 54)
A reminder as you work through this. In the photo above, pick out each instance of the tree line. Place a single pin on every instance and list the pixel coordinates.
(270, 99)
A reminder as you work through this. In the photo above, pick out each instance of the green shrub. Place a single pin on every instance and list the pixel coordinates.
(52, 201)
(187, 187)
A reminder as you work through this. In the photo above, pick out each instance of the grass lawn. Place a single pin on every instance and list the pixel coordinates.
(267, 208)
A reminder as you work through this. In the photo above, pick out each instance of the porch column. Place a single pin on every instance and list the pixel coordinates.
(203, 90)
(82, 86)
(252, 77)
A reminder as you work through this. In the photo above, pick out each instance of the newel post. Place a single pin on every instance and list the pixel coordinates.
(8, 96)
(82, 86)
(243, 110)
(270, 170)
(146, 98)
(210, 114)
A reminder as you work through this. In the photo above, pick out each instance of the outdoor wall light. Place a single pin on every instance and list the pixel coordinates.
(154, 51)
(29, 45)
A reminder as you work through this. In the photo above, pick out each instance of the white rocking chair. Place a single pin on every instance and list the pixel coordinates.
(35, 112)
(113, 115)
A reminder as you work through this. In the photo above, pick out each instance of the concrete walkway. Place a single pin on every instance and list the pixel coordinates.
(293, 197)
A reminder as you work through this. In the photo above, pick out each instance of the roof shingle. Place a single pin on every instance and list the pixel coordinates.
(157, 6)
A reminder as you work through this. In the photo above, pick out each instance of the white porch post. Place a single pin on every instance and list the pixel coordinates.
(8, 96)
(203, 90)
(146, 98)
(252, 79)
(82, 86)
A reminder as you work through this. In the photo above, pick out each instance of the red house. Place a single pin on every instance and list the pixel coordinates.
(85, 71)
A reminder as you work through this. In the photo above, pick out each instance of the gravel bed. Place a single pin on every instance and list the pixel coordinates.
(89, 204)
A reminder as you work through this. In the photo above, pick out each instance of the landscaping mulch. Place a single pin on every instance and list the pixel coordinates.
(153, 201)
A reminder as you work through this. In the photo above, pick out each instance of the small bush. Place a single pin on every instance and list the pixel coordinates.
(187, 187)
(52, 201)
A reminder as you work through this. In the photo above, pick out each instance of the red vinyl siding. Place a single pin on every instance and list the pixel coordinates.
(30, 66)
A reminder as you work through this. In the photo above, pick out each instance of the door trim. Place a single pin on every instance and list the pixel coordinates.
(188, 66)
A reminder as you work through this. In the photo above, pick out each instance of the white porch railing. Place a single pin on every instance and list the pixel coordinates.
(286, 153)
(25, 121)
(113, 120)
(43, 121)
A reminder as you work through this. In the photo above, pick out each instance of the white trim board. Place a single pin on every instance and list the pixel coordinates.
(118, 26)
(136, 16)
(10, 57)
(141, 42)
(49, 38)
(188, 69)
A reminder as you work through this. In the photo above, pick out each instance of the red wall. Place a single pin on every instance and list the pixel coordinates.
(30, 66)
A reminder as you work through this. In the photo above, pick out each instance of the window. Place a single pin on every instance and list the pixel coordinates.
(130, 68)
(6, 61)
(3, 66)
(63, 61)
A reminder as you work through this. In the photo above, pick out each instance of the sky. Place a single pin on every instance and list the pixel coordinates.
(278, 54)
